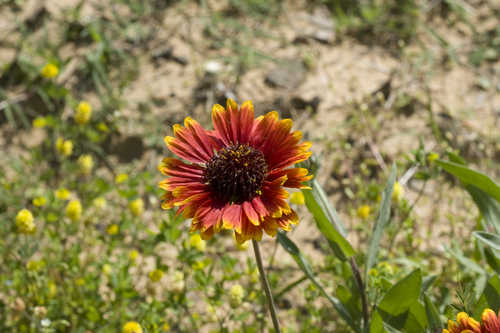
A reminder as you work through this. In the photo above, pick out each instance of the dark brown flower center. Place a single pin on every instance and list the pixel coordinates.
(236, 173)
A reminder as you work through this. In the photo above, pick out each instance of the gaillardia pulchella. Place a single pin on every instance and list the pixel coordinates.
(234, 177)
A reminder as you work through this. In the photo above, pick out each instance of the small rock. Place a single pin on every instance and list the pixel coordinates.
(289, 74)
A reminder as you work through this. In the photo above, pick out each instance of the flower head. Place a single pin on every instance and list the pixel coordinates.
(62, 194)
(132, 327)
(156, 275)
(363, 211)
(121, 178)
(83, 113)
(74, 210)
(236, 294)
(464, 324)
(136, 207)
(25, 222)
(85, 163)
(39, 122)
(49, 71)
(398, 192)
(234, 177)
(64, 147)
(112, 229)
(39, 201)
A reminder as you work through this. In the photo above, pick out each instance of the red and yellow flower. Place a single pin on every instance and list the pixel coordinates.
(234, 177)
(465, 324)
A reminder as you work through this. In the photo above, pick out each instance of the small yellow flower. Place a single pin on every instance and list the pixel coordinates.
(39, 201)
(397, 195)
(106, 269)
(432, 157)
(297, 198)
(62, 194)
(49, 71)
(156, 275)
(83, 113)
(25, 222)
(236, 294)
(52, 288)
(165, 327)
(85, 163)
(363, 211)
(133, 254)
(80, 282)
(198, 265)
(136, 207)
(132, 327)
(373, 272)
(39, 122)
(34, 265)
(103, 127)
(74, 210)
(196, 242)
(64, 147)
(121, 178)
(99, 203)
(112, 229)
(178, 282)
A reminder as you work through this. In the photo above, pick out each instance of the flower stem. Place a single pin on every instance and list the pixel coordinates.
(267, 289)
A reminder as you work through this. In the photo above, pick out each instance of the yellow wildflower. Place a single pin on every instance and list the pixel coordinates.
(39, 201)
(297, 198)
(64, 147)
(99, 203)
(196, 242)
(363, 211)
(34, 265)
(106, 269)
(236, 294)
(156, 275)
(83, 113)
(49, 71)
(62, 194)
(112, 229)
(25, 222)
(80, 282)
(397, 195)
(74, 210)
(136, 207)
(132, 327)
(121, 178)
(133, 254)
(85, 163)
(102, 127)
(52, 288)
(165, 327)
(432, 157)
(39, 122)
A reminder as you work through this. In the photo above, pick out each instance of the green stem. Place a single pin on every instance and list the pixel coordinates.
(267, 288)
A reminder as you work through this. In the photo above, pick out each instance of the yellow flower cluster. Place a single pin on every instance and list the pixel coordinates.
(132, 327)
(64, 147)
(85, 163)
(236, 294)
(398, 192)
(363, 211)
(39, 201)
(49, 71)
(39, 122)
(156, 275)
(25, 222)
(74, 210)
(62, 194)
(83, 113)
(136, 207)
(112, 229)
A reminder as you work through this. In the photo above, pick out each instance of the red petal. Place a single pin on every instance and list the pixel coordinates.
(251, 213)
(231, 218)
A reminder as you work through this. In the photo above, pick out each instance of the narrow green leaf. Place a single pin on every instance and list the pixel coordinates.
(294, 251)
(381, 222)
(433, 319)
(492, 240)
(488, 206)
(327, 220)
(492, 292)
(402, 295)
(472, 177)
(468, 263)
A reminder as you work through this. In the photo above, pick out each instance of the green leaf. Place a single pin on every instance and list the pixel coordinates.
(327, 220)
(492, 260)
(468, 263)
(492, 240)
(381, 222)
(492, 292)
(294, 251)
(488, 206)
(402, 295)
(433, 319)
(472, 177)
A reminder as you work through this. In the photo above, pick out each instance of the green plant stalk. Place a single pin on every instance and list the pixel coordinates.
(265, 285)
